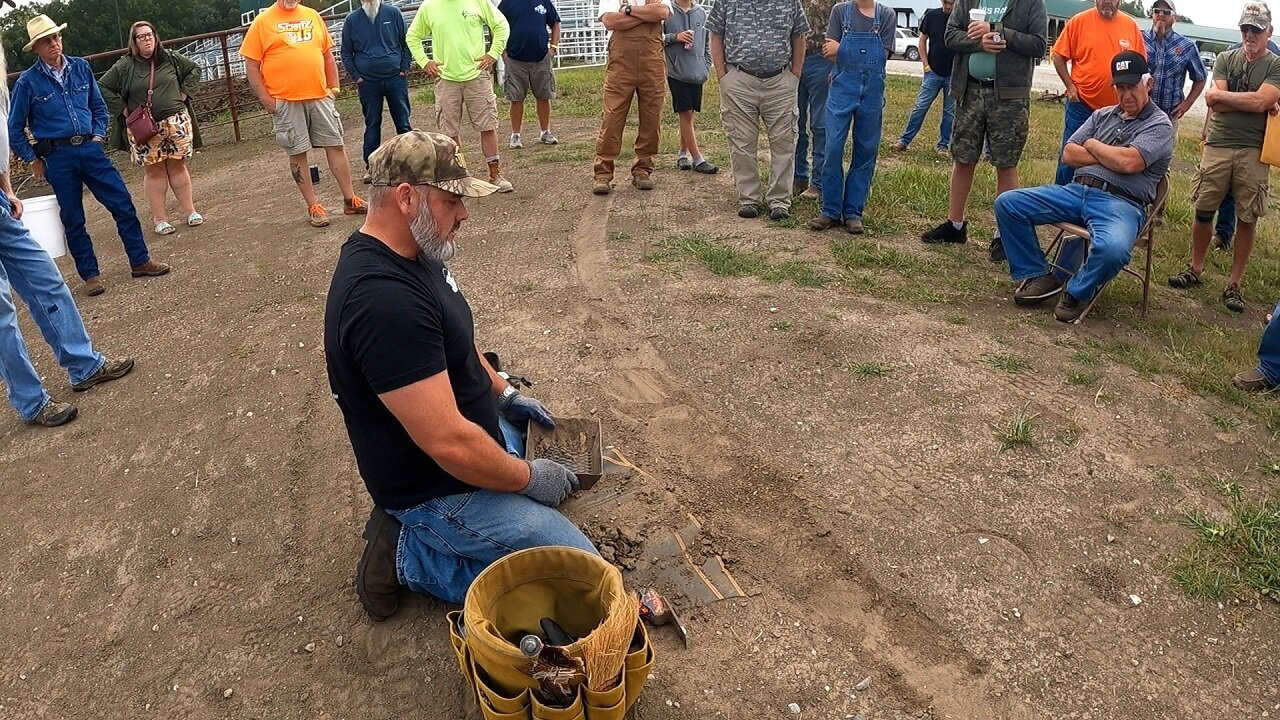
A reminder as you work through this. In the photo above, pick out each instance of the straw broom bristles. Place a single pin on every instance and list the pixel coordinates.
(605, 649)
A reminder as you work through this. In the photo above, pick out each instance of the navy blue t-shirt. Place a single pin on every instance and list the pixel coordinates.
(530, 21)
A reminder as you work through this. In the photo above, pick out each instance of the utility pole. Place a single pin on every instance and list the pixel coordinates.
(119, 27)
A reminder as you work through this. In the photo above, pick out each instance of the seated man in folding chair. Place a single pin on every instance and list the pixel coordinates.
(1119, 156)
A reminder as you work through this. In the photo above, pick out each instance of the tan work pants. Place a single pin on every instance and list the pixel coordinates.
(636, 67)
(745, 101)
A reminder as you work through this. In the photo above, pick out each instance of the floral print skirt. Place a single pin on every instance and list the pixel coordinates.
(173, 142)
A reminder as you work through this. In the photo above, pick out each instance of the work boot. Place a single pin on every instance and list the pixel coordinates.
(110, 370)
(853, 226)
(1038, 290)
(822, 222)
(1068, 309)
(150, 268)
(812, 193)
(94, 286)
(54, 413)
(601, 187)
(1253, 381)
(495, 177)
(642, 181)
(377, 584)
(799, 186)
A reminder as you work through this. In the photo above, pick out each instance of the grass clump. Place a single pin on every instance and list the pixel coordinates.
(1232, 557)
(1007, 362)
(869, 370)
(1018, 433)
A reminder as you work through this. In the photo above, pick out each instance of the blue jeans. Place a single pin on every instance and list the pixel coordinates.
(71, 168)
(1226, 226)
(27, 269)
(930, 85)
(1074, 115)
(812, 99)
(395, 90)
(445, 543)
(1112, 222)
(1269, 349)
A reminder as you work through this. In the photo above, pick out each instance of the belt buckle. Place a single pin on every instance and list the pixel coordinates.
(76, 140)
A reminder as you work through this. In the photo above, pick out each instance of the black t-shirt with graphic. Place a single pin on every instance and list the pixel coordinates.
(389, 322)
(934, 24)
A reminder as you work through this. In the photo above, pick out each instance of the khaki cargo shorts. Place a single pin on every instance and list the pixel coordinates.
(1239, 170)
(475, 96)
(524, 77)
(304, 124)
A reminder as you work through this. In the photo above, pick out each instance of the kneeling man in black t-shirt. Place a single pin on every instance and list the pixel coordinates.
(420, 404)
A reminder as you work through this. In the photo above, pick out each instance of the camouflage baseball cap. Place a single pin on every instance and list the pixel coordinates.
(1256, 15)
(425, 158)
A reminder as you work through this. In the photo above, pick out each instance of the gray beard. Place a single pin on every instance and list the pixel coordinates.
(371, 8)
(427, 234)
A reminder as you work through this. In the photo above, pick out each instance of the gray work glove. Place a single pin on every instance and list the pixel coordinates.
(517, 408)
(550, 482)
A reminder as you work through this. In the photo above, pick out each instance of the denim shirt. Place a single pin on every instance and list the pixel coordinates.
(54, 110)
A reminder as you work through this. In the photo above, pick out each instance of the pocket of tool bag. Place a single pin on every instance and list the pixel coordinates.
(606, 704)
(546, 712)
(495, 705)
(636, 667)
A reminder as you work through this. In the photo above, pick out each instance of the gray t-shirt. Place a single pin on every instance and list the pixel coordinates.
(757, 33)
(862, 23)
(1150, 133)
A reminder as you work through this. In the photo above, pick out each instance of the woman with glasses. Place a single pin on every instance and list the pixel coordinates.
(163, 157)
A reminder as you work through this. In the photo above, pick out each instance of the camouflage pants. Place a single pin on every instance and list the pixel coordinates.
(979, 115)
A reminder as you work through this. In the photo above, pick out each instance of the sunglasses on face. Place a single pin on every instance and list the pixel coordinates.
(1155, 12)
(1250, 30)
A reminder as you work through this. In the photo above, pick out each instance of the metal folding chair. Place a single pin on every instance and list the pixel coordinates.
(1146, 242)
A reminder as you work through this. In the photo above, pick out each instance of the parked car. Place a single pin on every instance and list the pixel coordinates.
(906, 44)
(1208, 59)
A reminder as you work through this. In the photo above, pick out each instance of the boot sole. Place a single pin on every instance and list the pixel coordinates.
(99, 379)
(150, 273)
(372, 527)
(1029, 300)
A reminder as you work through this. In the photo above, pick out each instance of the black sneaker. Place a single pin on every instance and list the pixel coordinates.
(947, 233)
(1069, 309)
(748, 212)
(110, 370)
(995, 251)
(1232, 298)
(1037, 290)
(377, 584)
(1186, 279)
(779, 213)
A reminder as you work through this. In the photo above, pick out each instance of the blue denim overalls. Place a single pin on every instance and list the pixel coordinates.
(856, 98)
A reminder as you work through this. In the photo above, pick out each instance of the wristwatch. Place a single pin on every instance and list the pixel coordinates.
(626, 9)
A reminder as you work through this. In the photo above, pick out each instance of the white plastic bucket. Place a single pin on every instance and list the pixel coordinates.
(40, 215)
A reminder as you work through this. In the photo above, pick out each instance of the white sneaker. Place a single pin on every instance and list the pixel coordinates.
(547, 138)
(515, 140)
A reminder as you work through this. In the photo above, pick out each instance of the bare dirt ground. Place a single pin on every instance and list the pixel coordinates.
(196, 529)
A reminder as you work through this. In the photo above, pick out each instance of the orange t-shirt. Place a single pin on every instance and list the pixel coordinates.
(292, 46)
(1090, 41)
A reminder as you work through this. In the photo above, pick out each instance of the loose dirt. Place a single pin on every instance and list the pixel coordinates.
(195, 531)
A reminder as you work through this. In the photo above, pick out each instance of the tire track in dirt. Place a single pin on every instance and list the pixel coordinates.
(648, 394)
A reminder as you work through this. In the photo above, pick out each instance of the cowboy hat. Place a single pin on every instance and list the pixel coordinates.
(41, 26)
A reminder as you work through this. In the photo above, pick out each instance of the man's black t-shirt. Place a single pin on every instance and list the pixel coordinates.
(934, 24)
(390, 322)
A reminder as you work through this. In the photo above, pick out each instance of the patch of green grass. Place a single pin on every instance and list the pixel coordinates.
(1225, 423)
(618, 236)
(782, 326)
(1018, 433)
(1085, 358)
(955, 319)
(1232, 556)
(1271, 467)
(861, 255)
(1167, 478)
(869, 370)
(715, 256)
(801, 273)
(1007, 362)
(1141, 359)
(1084, 378)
